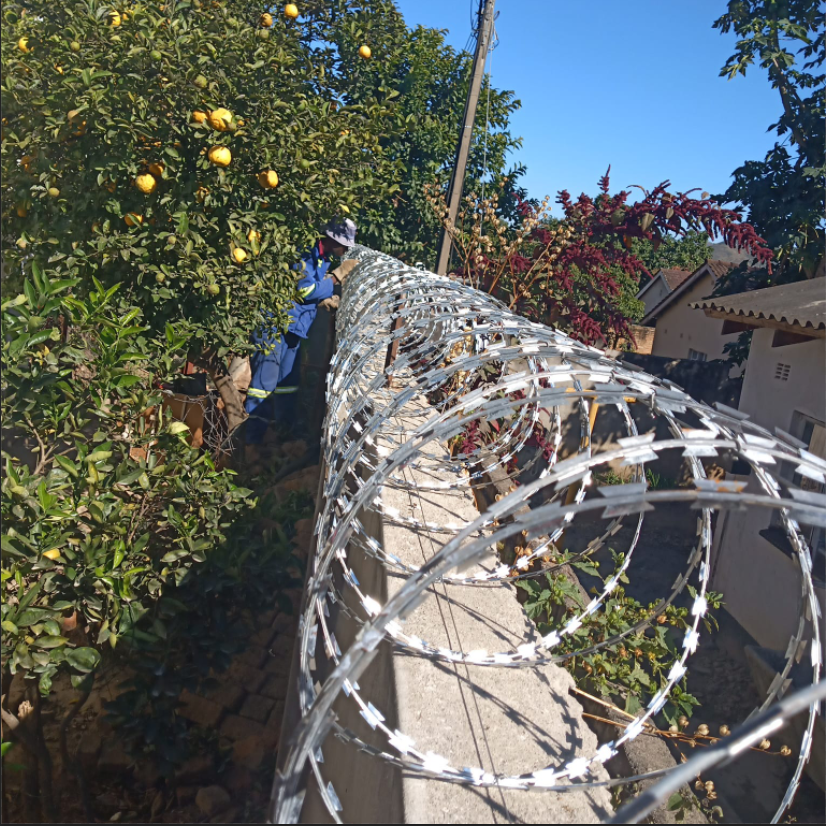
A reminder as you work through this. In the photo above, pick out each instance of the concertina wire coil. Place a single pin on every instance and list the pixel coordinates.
(473, 361)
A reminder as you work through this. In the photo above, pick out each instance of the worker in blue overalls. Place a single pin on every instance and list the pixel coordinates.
(275, 364)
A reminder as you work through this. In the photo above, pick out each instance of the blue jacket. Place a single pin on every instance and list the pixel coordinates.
(313, 287)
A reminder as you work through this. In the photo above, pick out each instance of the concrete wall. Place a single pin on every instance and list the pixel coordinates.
(771, 402)
(680, 328)
(643, 338)
(706, 382)
(760, 582)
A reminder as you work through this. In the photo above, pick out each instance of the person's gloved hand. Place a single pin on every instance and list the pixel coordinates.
(344, 269)
(330, 303)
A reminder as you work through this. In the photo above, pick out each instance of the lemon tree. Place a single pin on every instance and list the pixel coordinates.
(135, 138)
(373, 59)
(162, 164)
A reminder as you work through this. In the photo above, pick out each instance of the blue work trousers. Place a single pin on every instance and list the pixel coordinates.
(272, 393)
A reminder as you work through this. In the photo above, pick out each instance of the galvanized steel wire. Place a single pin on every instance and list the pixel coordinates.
(475, 362)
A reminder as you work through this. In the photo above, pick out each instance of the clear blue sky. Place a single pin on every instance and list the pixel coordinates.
(633, 83)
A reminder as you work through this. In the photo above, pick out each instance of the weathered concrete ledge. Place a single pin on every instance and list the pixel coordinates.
(502, 720)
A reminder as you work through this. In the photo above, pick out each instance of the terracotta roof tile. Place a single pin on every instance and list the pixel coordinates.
(720, 268)
(675, 277)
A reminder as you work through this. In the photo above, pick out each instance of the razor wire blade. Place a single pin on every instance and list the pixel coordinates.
(433, 376)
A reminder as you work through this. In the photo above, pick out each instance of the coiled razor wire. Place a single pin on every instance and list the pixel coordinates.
(464, 361)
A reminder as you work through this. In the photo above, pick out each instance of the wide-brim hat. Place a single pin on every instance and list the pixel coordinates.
(342, 231)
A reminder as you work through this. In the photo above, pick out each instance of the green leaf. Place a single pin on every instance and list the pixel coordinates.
(45, 683)
(82, 682)
(675, 802)
(9, 547)
(51, 628)
(98, 455)
(50, 642)
(632, 704)
(174, 556)
(30, 595)
(14, 302)
(84, 660)
(587, 568)
(177, 427)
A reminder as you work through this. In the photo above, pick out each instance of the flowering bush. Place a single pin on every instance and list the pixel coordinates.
(581, 272)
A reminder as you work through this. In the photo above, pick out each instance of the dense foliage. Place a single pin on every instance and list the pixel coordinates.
(581, 273)
(427, 82)
(686, 253)
(785, 192)
(162, 165)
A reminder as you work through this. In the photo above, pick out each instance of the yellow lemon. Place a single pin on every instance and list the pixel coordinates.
(54, 192)
(23, 44)
(365, 52)
(53, 554)
(145, 183)
(198, 117)
(156, 169)
(133, 219)
(254, 237)
(220, 155)
(58, 69)
(213, 289)
(239, 255)
(291, 10)
(21, 210)
(268, 179)
(220, 119)
(114, 19)
(266, 19)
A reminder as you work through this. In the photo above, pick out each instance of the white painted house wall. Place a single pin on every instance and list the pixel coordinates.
(681, 329)
(761, 584)
(655, 294)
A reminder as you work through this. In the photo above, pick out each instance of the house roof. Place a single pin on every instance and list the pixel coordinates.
(801, 305)
(672, 278)
(716, 269)
(675, 277)
(720, 268)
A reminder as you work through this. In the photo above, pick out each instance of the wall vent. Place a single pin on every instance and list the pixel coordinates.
(781, 372)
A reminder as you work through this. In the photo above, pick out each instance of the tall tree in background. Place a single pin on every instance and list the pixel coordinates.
(424, 82)
(686, 253)
(783, 193)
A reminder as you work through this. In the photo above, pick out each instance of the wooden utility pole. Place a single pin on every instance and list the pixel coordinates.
(457, 179)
